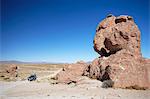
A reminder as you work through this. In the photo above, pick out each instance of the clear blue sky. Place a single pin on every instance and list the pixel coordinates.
(62, 30)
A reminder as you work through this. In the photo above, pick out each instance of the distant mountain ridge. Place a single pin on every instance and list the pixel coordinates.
(21, 62)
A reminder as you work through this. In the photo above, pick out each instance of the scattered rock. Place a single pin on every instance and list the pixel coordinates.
(71, 73)
(9, 72)
(12, 70)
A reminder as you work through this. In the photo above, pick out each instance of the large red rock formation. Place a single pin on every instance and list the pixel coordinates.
(117, 41)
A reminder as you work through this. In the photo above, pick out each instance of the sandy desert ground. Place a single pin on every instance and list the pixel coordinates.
(44, 87)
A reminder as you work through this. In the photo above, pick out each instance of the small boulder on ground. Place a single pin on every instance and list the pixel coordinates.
(9, 72)
(71, 73)
(12, 70)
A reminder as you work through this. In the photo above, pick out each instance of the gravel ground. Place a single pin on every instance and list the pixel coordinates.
(86, 89)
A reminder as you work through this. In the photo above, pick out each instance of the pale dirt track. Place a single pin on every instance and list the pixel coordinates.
(89, 89)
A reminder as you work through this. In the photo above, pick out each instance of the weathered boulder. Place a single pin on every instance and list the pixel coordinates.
(116, 33)
(120, 64)
(8, 72)
(71, 73)
(93, 70)
(117, 40)
(123, 69)
(12, 70)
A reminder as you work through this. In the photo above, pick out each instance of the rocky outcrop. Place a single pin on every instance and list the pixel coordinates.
(9, 72)
(116, 33)
(12, 70)
(123, 69)
(117, 41)
(71, 73)
(120, 64)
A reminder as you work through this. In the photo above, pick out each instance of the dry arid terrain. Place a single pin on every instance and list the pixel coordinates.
(46, 88)
(120, 72)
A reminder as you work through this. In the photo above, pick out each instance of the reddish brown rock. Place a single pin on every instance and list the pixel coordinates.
(8, 72)
(12, 70)
(93, 70)
(120, 64)
(124, 70)
(71, 73)
(117, 40)
(117, 33)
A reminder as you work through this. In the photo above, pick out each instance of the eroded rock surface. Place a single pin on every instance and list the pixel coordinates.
(116, 33)
(120, 64)
(123, 69)
(9, 72)
(71, 73)
(117, 41)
